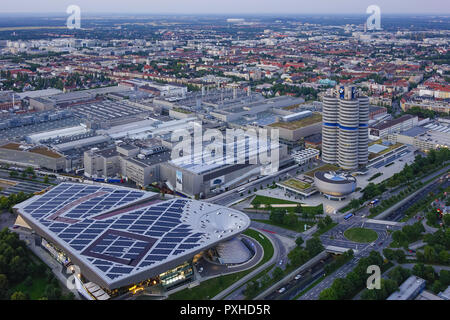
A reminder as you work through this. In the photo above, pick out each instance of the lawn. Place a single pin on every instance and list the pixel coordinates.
(328, 227)
(296, 184)
(210, 288)
(300, 227)
(314, 118)
(362, 235)
(35, 291)
(270, 200)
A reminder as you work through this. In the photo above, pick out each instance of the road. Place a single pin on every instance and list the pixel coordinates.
(295, 286)
(334, 237)
(399, 213)
(235, 291)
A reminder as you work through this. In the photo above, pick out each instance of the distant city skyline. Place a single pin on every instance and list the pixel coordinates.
(233, 7)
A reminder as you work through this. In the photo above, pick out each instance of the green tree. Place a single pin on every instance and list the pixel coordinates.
(429, 254)
(256, 203)
(4, 285)
(299, 241)
(328, 294)
(277, 274)
(314, 246)
(18, 295)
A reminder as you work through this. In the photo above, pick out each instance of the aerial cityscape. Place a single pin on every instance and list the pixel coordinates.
(235, 154)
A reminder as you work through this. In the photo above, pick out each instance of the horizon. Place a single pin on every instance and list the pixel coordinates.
(247, 7)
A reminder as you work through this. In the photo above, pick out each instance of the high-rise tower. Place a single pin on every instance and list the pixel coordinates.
(345, 128)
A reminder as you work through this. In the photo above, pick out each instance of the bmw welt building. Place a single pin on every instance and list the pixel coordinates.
(123, 239)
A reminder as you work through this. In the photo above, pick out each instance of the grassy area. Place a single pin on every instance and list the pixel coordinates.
(210, 288)
(181, 110)
(361, 235)
(328, 227)
(314, 118)
(296, 184)
(298, 228)
(270, 200)
(35, 291)
(325, 167)
(255, 278)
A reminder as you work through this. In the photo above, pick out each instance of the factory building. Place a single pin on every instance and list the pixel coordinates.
(381, 130)
(34, 156)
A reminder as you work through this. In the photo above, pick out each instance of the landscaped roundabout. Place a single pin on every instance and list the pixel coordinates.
(361, 235)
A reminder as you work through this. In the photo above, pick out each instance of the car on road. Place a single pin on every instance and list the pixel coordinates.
(282, 290)
(381, 243)
(200, 270)
(280, 262)
(297, 276)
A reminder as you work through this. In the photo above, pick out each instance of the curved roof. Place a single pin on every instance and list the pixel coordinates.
(333, 177)
(118, 232)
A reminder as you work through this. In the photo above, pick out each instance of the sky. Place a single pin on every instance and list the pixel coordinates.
(235, 7)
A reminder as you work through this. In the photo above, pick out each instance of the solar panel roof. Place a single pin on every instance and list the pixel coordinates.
(118, 232)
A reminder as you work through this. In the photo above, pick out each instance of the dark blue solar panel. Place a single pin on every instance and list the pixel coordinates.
(160, 229)
(103, 268)
(115, 249)
(179, 234)
(152, 257)
(188, 246)
(172, 239)
(166, 245)
(66, 236)
(121, 270)
(161, 251)
(139, 226)
(146, 263)
(85, 242)
(165, 224)
(86, 236)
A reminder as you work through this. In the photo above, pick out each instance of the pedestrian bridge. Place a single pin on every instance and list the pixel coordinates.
(385, 222)
(338, 250)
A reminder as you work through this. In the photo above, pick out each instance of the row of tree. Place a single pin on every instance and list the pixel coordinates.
(420, 167)
(436, 282)
(408, 234)
(346, 288)
(297, 257)
(7, 202)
